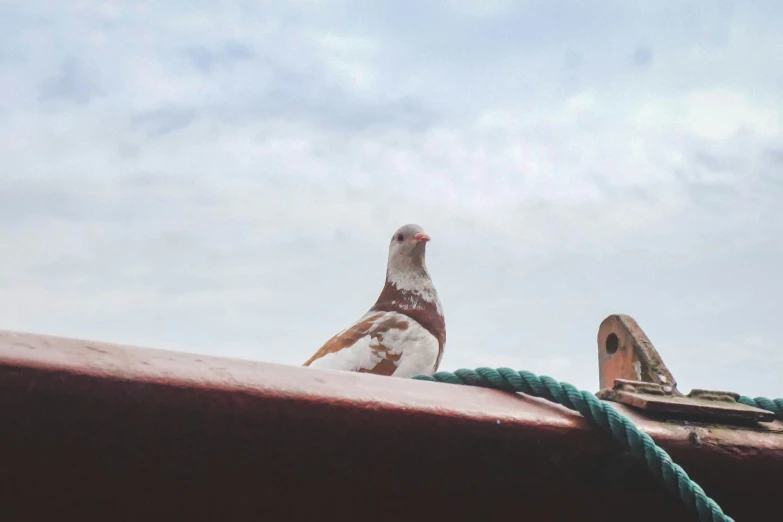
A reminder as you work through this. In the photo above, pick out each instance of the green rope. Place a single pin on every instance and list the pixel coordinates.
(605, 416)
(773, 405)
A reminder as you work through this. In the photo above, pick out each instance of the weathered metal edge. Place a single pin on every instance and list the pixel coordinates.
(101, 360)
(679, 405)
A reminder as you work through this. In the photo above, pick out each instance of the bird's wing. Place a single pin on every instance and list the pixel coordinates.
(375, 344)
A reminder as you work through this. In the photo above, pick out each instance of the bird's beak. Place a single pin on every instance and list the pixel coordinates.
(421, 237)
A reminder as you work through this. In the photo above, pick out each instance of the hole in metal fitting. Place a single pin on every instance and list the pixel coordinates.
(612, 343)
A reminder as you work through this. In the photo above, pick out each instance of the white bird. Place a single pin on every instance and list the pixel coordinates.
(404, 333)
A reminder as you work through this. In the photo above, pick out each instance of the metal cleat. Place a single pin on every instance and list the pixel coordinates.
(632, 372)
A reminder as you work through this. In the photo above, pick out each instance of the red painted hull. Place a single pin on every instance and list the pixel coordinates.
(101, 432)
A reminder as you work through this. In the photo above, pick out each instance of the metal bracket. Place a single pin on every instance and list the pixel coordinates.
(632, 372)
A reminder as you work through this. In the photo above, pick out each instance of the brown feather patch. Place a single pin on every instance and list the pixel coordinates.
(425, 313)
(368, 326)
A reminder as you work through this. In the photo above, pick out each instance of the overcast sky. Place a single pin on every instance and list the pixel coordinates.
(224, 177)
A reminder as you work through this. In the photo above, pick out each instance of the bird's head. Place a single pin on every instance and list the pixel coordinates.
(407, 249)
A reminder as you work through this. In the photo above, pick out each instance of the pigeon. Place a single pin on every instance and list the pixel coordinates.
(404, 332)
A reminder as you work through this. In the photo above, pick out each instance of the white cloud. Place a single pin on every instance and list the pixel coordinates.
(716, 114)
(223, 179)
(719, 115)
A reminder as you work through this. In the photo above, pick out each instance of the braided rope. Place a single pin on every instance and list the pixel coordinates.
(605, 416)
(773, 405)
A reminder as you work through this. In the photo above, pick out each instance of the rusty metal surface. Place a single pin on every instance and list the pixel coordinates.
(698, 404)
(632, 372)
(625, 352)
(102, 432)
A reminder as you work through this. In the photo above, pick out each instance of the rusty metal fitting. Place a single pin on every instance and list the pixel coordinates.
(632, 372)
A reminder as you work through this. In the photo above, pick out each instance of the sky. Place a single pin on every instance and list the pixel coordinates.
(224, 177)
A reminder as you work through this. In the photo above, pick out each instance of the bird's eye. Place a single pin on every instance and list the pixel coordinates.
(400, 237)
